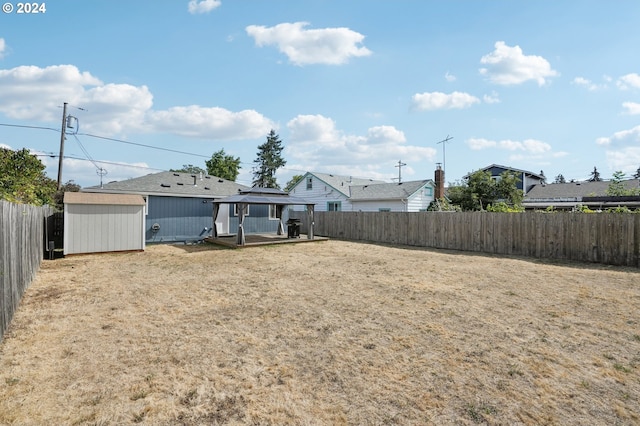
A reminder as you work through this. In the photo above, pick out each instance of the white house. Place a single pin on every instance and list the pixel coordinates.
(344, 193)
(328, 192)
(411, 196)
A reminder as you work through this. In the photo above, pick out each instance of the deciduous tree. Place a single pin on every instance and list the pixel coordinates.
(223, 165)
(23, 180)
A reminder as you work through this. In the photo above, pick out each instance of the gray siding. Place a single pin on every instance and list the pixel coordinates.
(257, 222)
(179, 218)
(102, 228)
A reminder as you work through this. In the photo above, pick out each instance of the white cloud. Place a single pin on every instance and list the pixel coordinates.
(203, 6)
(3, 47)
(530, 146)
(437, 100)
(33, 93)
(509, 66)
(586, 83)
(623, 137)
(332, 46)
(210, 123)
(626, 159)
(450, 78)
(629, 81)
(491, 99)
(632, 108)
(315, 143)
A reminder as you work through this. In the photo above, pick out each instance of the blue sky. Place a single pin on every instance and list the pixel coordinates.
(351, 87)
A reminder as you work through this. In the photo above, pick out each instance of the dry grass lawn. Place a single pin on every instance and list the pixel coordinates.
(322, 333)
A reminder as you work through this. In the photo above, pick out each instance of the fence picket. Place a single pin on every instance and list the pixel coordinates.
(609, 238)
(21, 252)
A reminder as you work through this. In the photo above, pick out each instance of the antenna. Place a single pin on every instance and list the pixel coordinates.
(399, 166)
(101, 172)
(444, 143)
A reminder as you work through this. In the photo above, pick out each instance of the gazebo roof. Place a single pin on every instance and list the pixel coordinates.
(263, 196)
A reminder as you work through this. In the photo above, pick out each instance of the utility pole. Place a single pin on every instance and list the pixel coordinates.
(62, 138)
(444, 143)
(399, 166)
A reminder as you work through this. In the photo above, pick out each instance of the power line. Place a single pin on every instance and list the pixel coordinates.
(143, 145)
(30, 127)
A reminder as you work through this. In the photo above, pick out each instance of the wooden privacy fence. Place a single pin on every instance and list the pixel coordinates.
(21, 252)
(608, 238)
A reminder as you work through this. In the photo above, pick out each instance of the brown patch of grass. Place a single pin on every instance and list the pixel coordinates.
(325, 333)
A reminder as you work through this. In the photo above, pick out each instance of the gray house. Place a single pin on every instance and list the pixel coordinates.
(179, 205)
(566, 196)
(527, 179)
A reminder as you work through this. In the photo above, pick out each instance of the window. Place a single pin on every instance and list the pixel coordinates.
(273, 212)
(428, 191)
(384, 209)
(236, 213)
(334, 206)
(309, 183)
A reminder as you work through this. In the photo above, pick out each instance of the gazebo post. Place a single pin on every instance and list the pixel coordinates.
(311, 223)
(216, 210)
(241, 212)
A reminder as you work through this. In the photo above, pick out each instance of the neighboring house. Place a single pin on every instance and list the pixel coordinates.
(327, 191)
(179, 205)
(527, 179)
(344, 193)
(569, 195)
(412, 196)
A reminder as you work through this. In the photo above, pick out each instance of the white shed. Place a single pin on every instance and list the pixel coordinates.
(96, 223)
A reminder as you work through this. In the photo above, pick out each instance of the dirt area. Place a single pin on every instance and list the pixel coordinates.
(323, 333)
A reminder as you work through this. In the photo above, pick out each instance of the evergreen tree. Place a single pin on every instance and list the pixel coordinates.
(637, 174)
(269, 160)
(223, 166)
(595, 175)
(560, 179)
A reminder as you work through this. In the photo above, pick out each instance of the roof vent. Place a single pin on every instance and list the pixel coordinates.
(176, 174)
(165, 185)
(180, 183)
(206, 187)
(220, 180)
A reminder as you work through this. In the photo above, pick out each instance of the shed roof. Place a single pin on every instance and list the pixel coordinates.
(174, 184)
(387, 191)
(103, 199)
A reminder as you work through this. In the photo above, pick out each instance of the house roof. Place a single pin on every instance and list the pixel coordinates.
(342, 183)
(173, 184)
(263, 196)
(103, 199)
(387, 191)
(539, 176)
(572, 191)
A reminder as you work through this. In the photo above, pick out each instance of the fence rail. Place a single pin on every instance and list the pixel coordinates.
(21, 252)
(612, 238)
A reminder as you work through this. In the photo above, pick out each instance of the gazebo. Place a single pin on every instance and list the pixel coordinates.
(269, 196)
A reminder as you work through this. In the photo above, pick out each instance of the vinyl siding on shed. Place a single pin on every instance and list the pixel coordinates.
(93, 228)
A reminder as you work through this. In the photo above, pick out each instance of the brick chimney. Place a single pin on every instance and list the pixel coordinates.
(439, 181)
